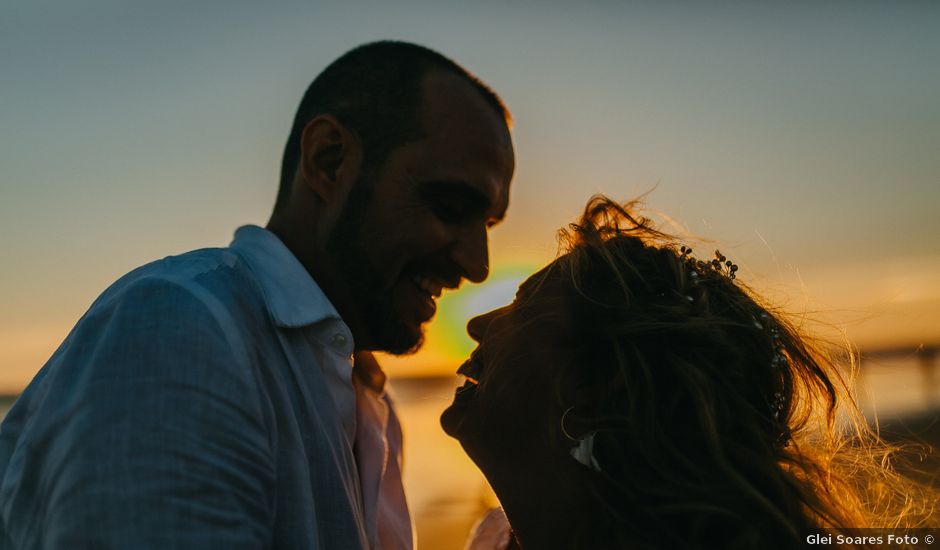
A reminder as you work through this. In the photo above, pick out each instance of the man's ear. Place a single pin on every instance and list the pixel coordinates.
(330, 156)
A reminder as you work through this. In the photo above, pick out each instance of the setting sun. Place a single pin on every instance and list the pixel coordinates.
(800, 139)
(446, 341)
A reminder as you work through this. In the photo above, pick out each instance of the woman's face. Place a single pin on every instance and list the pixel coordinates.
(505, 407)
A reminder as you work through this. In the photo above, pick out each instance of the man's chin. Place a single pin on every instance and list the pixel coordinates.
(402, 340)
(406, 350)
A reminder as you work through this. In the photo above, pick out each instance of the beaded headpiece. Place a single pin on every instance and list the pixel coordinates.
(722, 266)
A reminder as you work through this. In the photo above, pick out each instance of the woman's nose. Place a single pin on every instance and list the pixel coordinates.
(477, 326)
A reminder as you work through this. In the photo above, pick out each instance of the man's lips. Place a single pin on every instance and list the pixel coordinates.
(428, 289)
(432, 286)
(421, 296)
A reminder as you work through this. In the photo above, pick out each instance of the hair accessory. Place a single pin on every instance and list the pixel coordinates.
(686, 256)
(778, 404)
(722, 266)
(584, 451)
(697, 268)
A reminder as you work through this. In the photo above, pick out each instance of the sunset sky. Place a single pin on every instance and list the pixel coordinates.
(802, 137)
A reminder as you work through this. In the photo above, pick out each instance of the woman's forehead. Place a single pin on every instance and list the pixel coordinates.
(548, 275)
(542, 302)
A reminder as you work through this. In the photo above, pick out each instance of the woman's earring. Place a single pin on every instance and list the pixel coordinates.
(565, 430)
(584, 451)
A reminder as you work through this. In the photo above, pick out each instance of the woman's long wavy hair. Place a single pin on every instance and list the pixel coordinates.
(679, 359)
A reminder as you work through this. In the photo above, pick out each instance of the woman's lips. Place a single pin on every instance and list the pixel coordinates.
(468, 388)
(471, 368)
(471, 371)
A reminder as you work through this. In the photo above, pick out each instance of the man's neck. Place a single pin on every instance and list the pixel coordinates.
(316, 262)
(368, 371)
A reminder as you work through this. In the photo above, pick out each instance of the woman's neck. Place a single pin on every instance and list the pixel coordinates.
(548, 503)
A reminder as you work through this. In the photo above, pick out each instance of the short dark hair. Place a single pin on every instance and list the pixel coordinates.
(375, 91)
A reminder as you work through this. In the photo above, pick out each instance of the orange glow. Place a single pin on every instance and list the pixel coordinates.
(447, 344)
(808, 156)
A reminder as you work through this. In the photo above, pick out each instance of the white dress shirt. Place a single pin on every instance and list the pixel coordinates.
(203, 401)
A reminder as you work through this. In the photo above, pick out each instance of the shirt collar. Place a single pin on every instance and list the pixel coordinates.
(291, 295)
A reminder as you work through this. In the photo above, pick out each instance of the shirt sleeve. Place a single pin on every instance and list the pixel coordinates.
(148, 433)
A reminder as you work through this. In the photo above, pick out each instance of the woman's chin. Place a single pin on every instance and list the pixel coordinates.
(452, 419)
(455, 415)
(458, 422)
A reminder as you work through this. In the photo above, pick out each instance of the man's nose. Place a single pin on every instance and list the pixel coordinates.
(472, 254)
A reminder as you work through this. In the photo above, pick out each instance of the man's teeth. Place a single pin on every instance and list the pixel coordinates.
(432, 287)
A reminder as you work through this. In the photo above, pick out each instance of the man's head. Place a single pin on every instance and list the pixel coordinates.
(397, 164)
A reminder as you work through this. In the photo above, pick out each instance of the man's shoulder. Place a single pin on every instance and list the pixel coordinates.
(193, 265)
(213, 278)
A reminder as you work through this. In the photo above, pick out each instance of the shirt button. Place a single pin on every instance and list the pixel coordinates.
(339, 340)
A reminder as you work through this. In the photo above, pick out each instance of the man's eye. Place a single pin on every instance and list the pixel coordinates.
(449, 211)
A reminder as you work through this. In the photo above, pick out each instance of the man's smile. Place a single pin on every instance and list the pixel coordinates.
(421, 294)
(432, 287)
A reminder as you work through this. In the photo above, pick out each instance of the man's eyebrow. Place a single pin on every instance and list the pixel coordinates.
(472, 195)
